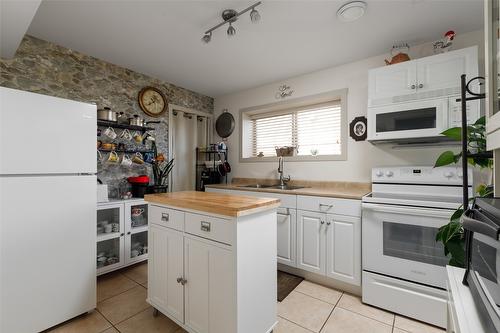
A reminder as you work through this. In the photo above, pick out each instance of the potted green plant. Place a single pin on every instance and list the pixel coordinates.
(161, 170)
(452, 234)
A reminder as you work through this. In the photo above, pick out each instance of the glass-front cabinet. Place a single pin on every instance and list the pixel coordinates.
(136, 225)
(110, 237)
(122, 234)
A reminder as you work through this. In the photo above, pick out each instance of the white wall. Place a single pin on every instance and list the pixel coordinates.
(361, 156)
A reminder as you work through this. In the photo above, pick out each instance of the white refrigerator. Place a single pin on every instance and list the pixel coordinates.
(47, 210)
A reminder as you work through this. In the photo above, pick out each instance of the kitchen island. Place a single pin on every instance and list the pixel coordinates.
(212, 261)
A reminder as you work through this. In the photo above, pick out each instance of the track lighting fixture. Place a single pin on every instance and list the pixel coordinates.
(230, 16)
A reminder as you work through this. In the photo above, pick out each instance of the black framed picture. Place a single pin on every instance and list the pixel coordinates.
(358, 129)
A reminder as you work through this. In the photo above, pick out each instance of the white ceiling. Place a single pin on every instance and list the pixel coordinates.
(162, 38)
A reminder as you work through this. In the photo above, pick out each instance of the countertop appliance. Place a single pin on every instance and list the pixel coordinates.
(48, 210)
(403, 265)
(483, 276)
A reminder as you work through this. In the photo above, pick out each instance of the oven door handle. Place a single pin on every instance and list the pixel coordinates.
(487, 227)
(433, 212)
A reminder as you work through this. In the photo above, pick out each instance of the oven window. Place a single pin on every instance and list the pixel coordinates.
(406, 120)
(485, 261)
(413, 242)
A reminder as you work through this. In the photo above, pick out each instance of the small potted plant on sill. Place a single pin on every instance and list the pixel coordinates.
(161, 170)
(452, 235)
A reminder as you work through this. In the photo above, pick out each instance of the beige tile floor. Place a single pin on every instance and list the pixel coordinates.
(121, 307)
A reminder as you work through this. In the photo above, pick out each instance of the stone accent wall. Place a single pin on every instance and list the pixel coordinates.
(43, 67)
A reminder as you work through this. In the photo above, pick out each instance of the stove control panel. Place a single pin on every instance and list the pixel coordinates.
(419, 175)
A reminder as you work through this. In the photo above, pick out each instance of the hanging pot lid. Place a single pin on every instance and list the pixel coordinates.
(224, 125)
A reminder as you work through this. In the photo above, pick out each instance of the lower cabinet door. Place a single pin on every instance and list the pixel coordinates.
(343, 253)
(209, 289)
(287, 231)
(165, 266)
(311, 239)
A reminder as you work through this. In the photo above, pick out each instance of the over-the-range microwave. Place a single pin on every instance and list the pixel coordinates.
(417, 121)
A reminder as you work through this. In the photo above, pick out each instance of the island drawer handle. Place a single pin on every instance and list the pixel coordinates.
(205, 226)
(328, 207)
(164, 217)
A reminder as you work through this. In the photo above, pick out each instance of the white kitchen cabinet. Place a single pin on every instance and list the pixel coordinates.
(209, 274)
(164, 268)
(317, 234)
(311, 241)
(443, 71)
(136, 231)
(287, 236)
(389, 81)
(492, 55)
(343, 248)
(122, 234)
(428, 77)
(212, 273)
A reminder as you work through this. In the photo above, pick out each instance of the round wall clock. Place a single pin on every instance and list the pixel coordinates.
(152, 101)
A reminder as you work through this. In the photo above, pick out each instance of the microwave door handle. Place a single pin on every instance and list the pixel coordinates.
(481, 227)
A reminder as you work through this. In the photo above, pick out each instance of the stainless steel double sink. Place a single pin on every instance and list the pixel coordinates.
(277, 187)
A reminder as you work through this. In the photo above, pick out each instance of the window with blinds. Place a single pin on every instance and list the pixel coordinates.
(314, 130)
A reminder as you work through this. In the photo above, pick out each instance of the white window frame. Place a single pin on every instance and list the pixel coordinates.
(245, 125)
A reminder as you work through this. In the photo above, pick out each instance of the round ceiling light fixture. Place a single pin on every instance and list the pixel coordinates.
(351, 11)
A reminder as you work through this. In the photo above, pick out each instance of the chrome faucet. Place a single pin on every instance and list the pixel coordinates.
(283, 180)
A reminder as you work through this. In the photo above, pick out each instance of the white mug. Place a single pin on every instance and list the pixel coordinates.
(125, 134)
(126, 161)
(110, 133)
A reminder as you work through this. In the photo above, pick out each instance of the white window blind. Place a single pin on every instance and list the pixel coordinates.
(314, 130)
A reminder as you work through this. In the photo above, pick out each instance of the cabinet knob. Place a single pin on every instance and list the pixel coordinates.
(181, 281)
(165, 217)
(328, 223)
(128, 233)
(322, 222)
(420, 85)
(122, 234)
(413, 86)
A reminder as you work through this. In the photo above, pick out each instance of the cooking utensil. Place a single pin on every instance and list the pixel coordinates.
(224, 125)
(108, 115)
(136, 120)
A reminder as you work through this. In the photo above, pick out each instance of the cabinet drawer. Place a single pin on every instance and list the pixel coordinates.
(166, 217)
(329, 205)
(213, 228)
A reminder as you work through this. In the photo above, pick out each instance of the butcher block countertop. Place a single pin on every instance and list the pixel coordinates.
(215, 203)
(343, 190)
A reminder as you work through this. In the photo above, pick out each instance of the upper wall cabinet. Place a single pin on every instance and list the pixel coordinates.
(428, 77)
(492, 54)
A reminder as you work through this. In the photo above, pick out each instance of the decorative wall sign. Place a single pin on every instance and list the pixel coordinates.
(358, 129)
(284, 91)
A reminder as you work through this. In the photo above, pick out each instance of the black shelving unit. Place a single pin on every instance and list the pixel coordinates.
(204, 175)
(105, 123)
(468, 95)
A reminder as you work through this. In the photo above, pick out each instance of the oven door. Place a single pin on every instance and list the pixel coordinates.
(420, 119)
(400, 241)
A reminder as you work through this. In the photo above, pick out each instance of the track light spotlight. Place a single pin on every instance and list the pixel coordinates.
(207, 38)
(231, 31)
(254, 16)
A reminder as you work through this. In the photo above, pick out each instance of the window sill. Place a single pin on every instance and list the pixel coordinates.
(319, 158)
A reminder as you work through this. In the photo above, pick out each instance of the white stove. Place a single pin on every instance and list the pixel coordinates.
(403, 265)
